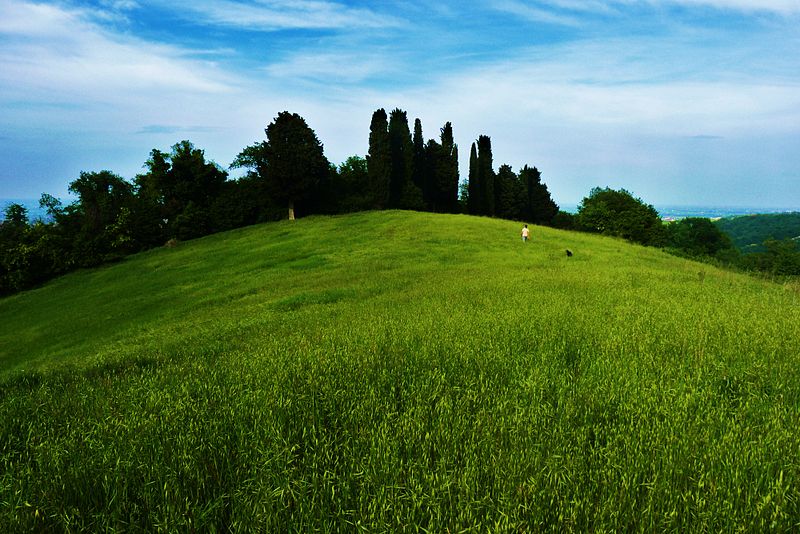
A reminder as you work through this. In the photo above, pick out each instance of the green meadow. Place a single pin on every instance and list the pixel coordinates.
(401, 372)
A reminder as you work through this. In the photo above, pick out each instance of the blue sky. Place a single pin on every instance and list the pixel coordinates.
(679, 101)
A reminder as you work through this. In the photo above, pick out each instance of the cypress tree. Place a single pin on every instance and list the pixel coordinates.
(379, 162)
(419, 173)
(473, 186)
(401, 150)
(486, 177)
(448, 176)
(433, 156)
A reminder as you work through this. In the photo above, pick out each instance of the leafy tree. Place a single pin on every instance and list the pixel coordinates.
(103, 209)
(349, 188)
(101, 196)
(379, 160)
(254, 159)
(51, 205)
(13, 248)
(540, 207)
(697, 236)
(243, 202)
(174, 181)
(618, 213)
(780, 257)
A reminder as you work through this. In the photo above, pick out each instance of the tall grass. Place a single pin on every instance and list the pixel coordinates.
(395, 371)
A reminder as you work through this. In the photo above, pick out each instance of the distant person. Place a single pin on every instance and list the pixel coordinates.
(525, 233)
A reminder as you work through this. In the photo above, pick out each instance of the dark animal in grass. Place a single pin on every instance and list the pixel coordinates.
(569, 253)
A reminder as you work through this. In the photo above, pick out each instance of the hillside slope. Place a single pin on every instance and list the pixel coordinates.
(400, 370)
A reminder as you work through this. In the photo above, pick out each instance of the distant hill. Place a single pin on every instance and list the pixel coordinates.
(401, 372)
(748, 232)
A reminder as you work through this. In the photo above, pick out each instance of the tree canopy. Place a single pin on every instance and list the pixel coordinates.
(618, 213)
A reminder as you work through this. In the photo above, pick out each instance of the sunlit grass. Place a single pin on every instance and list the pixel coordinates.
(401, 371)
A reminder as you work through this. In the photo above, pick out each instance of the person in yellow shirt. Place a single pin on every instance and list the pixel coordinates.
(525, 233)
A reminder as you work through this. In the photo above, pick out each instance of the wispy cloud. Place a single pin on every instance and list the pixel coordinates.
(566, 11)
(172, 129)
(784, 7)
(534, 13)
(344, 67)
(706, 137)
(54, 53)
(271, 15)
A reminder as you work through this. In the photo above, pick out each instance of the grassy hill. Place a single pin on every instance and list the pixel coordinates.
(397, 371)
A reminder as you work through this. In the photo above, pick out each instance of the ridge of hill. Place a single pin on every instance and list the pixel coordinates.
(399, 370)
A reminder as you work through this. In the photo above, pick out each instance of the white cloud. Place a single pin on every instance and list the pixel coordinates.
(54, 54)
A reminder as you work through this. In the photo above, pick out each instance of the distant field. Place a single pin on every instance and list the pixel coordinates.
(397, 371)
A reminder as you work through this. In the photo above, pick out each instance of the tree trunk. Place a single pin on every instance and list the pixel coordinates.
(291, 211)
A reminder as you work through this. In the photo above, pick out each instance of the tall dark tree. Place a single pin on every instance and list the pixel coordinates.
(447, 177)
(486, 176)
(540, 207)
(434, 154)
(403, 193)
(510, 202)
(295, 163)
(502, 188)
(474, 205)
(379, 160)
(419, 174)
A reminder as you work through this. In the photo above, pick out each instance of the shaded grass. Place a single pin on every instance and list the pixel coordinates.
(396, 371)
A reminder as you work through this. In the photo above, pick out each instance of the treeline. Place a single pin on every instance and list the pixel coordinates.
(749, 232)
(618, 213)
(181, 195)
